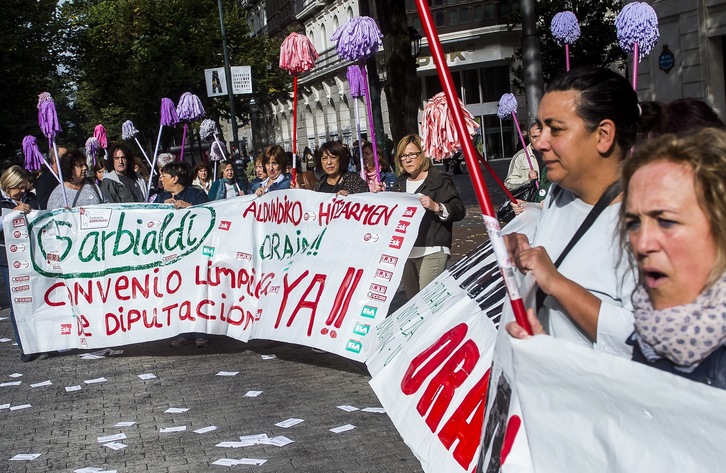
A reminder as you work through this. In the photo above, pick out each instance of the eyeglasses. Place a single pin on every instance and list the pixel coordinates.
(410, 156)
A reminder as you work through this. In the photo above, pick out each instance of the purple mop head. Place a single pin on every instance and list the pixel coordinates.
(168, 113)
(33, 157)
(358, 38)
(297, 54)
(207, 129)
(190, 107)
(100, 134)
(507, 106)
(128, 130)
(47, 118)
(637, 24)
(355, 81)
(565, 28)
(92, 147)
(215, 152)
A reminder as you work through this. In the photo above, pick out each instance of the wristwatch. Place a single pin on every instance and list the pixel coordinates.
(441, 210)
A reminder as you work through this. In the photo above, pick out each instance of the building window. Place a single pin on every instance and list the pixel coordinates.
(495, 82)
(471, 86)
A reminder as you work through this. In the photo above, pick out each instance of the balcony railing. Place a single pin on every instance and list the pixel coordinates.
(304, 8)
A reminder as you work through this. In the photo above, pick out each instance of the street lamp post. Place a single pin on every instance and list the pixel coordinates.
(228, 75)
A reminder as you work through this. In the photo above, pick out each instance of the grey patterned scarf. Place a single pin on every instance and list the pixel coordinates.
(685, 334)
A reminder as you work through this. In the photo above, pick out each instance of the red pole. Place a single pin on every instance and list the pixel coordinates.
(294, 129)
(477, 178)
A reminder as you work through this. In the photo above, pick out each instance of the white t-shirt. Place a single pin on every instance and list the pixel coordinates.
(595, 263)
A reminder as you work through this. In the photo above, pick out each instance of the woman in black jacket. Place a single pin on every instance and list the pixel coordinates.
(15, 195)
(442, 206)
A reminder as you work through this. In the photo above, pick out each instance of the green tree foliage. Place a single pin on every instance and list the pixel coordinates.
(126, 55)
(597, 46)
(29, 56)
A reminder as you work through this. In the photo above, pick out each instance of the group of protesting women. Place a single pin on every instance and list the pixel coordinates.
(628, 251)
(183, 186)
(626, 254)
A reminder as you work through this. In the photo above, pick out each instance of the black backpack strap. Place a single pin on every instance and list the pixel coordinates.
(605, 200)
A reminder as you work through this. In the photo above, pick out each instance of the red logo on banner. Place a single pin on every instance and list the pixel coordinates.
(18, 222)
(396, 242)
(66, 329)
(23, 300)
(24, 287)
(387, 259)
(224, 225)
(410, 212)
(402, 226)
(378, 288)
(382, 274)
(377, 297)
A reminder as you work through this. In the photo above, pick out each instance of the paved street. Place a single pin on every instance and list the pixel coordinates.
(64, 426)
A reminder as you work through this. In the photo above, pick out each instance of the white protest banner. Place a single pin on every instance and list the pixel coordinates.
(296, 266)
(430, 362)
(589, 411)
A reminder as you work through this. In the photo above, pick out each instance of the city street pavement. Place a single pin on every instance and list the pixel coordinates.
(64, 426)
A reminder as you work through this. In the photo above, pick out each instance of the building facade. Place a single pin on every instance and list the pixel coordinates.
(688, 60)
(478, 49)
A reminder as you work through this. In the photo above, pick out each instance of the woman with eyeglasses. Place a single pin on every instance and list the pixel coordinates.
(333, 159)
(79, 189)
(442, 205)
(121, 183)
(15, 195)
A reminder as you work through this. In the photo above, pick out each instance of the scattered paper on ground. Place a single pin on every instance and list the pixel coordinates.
(44, 383)
(252, 393)
(111, 438)
(377, 410)
(147, 376)
(228, 373)
(128, 423)
(73, 388)
(342, 428)
(26, 456)
(204, 430)
(179, 428)
(176, 410)
(289, 423)
(347, 408)
(97, 380)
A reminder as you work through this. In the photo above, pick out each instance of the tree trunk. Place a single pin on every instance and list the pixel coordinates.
(403, 89)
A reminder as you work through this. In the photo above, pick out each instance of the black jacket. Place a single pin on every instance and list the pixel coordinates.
(711, 371)
(440, 187)
(6, 203)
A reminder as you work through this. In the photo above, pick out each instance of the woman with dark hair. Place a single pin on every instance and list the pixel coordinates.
(275, 161)
(79, 189)
(589, 118)
(202, 177)
(260, 173)
(387, 178)
(176, 178)
(121, 183)
(333, 159)
(443, 206)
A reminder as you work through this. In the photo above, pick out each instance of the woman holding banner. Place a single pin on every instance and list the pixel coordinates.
(674, 226)
(15, 195)
(442, 205)
(589, 119)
